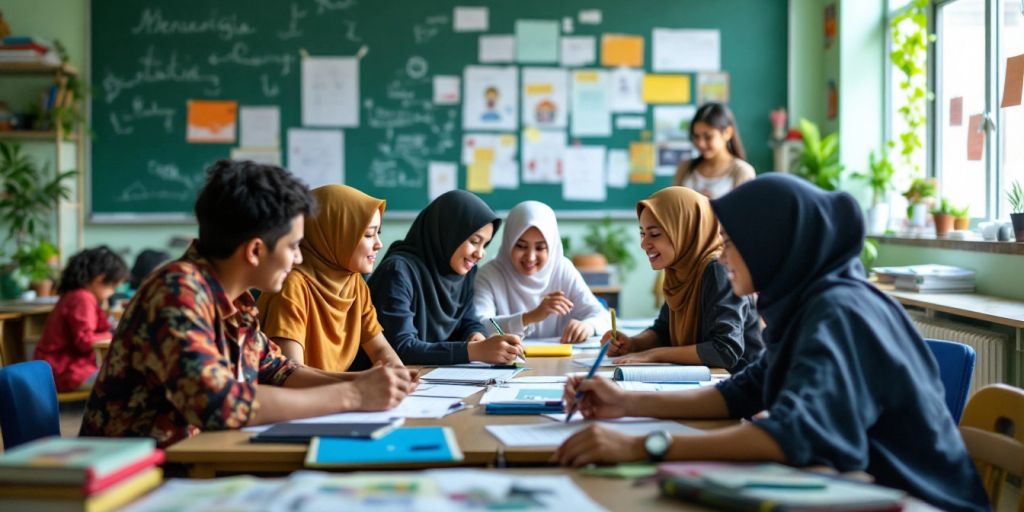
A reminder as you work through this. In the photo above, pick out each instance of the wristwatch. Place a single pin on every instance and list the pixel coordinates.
(656, 444)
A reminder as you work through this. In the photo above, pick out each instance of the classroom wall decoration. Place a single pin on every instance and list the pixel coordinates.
(580, 104)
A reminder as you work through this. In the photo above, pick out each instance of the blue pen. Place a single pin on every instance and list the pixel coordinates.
(593, 369)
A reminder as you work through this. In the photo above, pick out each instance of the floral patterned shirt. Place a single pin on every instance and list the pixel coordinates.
(185, 358)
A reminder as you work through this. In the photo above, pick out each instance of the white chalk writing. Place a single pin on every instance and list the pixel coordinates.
(157, 70)
(227, 27)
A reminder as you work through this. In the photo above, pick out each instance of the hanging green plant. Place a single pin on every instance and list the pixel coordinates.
(910, 39)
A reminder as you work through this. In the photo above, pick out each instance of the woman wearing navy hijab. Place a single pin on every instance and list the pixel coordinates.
(845, 378)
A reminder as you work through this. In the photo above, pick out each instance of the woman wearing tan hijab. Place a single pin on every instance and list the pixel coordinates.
(323, 314)
(702, 321)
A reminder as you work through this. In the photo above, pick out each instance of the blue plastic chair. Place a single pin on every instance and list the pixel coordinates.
(28, 403)
(956, 367)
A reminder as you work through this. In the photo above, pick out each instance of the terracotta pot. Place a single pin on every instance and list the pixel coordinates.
(42, 288)
(962, 224)
(595, 262)
(943, 224)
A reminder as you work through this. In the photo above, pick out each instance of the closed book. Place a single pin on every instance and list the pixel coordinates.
(297, 432)
(562, 350)
(81, 461)
(524, 407)
(671, 373)
(113, 498)
(405, 445)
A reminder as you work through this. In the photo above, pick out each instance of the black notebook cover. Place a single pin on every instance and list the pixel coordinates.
(302, 432)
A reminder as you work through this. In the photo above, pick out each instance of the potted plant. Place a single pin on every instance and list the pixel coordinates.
(819, 161)
(920, 196)
(1016, 197)
(608, 244)
(37, 262)
(962, 218)
(943, 217)
(879, 178)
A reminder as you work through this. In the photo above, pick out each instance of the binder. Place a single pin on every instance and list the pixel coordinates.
(298, 432)
(525, 407)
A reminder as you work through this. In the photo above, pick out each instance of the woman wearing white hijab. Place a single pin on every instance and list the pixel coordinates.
(531, 289)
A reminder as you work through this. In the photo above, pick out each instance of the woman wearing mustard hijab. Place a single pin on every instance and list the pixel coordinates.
(702, 320)
(323, 314)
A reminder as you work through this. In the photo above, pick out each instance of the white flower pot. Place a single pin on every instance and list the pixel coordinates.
(919, 215)
(878, 219)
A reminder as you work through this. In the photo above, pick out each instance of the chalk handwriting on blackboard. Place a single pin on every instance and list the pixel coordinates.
(170, 172)
(227, 27)
(416, 67)
(293, 31)
(323, 6)
(241, 56)
(118, 129)
(142, 110)
(154, 69)
(350, 31)
(269, 90)
(429, 28)
(138, 192)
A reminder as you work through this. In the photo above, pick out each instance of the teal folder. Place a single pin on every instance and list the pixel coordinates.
(406, 445)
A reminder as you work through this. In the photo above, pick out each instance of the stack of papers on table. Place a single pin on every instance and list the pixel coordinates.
(472, 375)
(553, 434)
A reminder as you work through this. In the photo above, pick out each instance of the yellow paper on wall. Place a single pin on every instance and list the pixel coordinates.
(641, 162)
(478, 177)
(666, 88)
(622, 50)
(483, 156)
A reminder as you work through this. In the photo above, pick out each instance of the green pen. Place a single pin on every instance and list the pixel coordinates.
(497, 328)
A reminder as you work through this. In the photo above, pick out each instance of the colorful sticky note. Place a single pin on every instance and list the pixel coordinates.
(622, 50)
(1014, 81)
(478, 177)
(666, 88)
(975, 138)
(483, 156)
(211, 121)
(956, 111)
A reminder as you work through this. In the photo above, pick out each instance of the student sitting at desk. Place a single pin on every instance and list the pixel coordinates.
(423, 289)
(530, 288)
(78, 319)
(323, 314)
(702, 320)
(720, 165)
(189, 355)
(846, 380)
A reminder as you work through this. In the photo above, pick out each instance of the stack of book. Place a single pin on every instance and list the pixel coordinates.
(78, 474)
(28, 50)
(928, 278)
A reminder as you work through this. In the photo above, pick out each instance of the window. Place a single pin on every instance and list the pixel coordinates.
(1010, 121)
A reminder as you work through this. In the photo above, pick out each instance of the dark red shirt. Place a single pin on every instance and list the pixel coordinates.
(75, 323)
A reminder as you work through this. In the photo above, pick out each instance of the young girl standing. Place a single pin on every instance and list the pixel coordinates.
(720, 165)
(78, 320)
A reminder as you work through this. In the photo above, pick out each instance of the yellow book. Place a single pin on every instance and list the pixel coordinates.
(111, 499)
(564, 350)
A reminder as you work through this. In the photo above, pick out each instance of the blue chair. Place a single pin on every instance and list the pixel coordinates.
(956, 366)
(28, 403)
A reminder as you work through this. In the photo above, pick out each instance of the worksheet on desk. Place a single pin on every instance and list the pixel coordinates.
(524, 393)
(591, 342)
(411, 407)
(446, 390)
(555, 433)
(475, 375)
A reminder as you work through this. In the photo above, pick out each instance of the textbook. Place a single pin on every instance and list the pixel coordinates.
(47, 498)
(84, 461)
(673, 373)
(302, 432)
(409, 445)
(772, 487)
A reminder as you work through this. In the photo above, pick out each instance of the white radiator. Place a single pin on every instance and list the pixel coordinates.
(990, 346)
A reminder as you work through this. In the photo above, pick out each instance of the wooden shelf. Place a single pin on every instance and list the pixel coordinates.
(35, 135)
(30, 68)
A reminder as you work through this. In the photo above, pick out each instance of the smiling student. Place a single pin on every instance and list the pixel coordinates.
(721, 164)
(846, 380)
(189, 355)
(323, 314)
(702, 320)
(423, 288)
(530, 288)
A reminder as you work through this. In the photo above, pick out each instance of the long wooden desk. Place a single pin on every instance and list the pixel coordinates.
(21, 322)
(210, 453)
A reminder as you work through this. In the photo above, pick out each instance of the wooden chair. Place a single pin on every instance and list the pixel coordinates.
(993, 431)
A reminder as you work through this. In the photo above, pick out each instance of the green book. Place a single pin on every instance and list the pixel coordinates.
(71, 461)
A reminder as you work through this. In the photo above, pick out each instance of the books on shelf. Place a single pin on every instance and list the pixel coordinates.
(928, 278)
(28, 50)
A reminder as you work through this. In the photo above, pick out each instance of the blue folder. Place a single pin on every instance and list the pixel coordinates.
(525, 407)
(406, 445)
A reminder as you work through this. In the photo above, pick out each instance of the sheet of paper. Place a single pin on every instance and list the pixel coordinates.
(478, 177)
(497, 48)
(538, 379)
(556, 492)
(481, 375)
(618, 168)
(590, 17)
(542, 157)
(578, 51)
(330, 91)
(567, 25)
(627, 90)
(258, 155)
(211, 121)
(411, 407)
(686, 49)
(446, 390)
(470, 19)
(228, 493)
(641, 162)
(591, 342)
(584, 174)
(443, 177)
(447, 90)
(666, 88)
(587, 362)
(672, 123)
(659, 387)
(555, 433)
(260, 127)
(490, 99)
(622, 50)
(712, 86)
(537, 41)
(670, 154)
(590, 104)
(524, 393)
(491, 161)
(956, 111)
(317, 156)
(545, 97)
(578, 418)
(630, 122)
(975, 138)
(1013, 84)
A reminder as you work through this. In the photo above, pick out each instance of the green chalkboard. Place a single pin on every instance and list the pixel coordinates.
(149, 58)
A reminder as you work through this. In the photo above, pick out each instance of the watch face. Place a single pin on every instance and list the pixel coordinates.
(656, 444)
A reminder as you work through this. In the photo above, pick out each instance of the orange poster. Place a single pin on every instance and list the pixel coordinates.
(622, 50)
(212, 121)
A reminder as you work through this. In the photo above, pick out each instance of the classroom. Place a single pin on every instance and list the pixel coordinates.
(476, 255)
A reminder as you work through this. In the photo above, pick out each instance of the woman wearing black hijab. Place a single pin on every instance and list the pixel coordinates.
(845, 378)
(423, 288)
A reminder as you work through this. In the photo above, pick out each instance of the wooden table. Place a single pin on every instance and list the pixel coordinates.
(210, 453)
(22, 322)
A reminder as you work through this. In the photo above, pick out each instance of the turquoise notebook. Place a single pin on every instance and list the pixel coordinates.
(406, 445)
